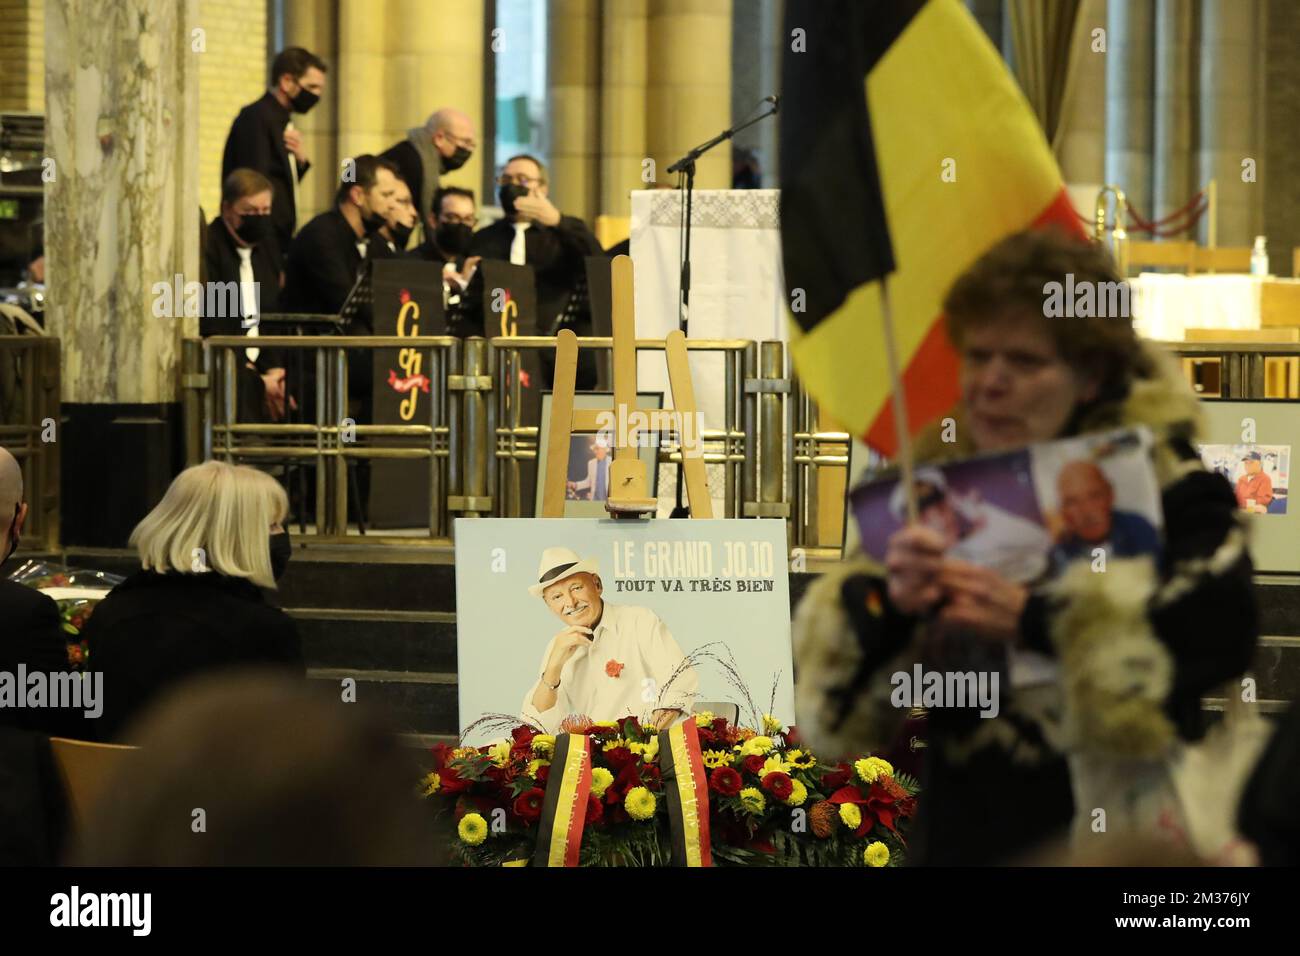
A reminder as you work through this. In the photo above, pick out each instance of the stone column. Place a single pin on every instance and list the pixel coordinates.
(622, 105)
(121, 216)
(688, 95)
(1130, 35)
(573, 41)
(313, 25)
(1231, 83)
(1174, 179)
(1281, 191)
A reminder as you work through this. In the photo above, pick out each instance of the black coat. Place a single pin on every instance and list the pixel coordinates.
(221, 258)
(256, 141)
(154, 631)
(406, 158)
(322, 267)
(31, 634)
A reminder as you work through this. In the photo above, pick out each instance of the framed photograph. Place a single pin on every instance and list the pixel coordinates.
(1249, 443)
(591, 455)
(1029, 513)
(603, 619)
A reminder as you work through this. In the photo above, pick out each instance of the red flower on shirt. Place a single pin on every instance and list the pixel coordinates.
(613, 668)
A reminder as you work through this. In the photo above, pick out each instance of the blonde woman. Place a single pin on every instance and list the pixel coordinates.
(206, 551)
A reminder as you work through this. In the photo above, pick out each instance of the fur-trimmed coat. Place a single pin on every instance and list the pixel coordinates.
(1138, 646)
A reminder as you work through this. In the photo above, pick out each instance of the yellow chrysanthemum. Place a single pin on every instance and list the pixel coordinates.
(756, 745)
(716, 758)
(771, 725)
(600, 781)
(850, 815)
(876, 854)
(431, 784)
(800, 760)
(704, 718)
(463, 752)
(752, 799)
(640, 803)
(798, 795)
(499, 753)
(607, 724)
(544, 744)
(473, 829)
(869, 768)
(537, 764)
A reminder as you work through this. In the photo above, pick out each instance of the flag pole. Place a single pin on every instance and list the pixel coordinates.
(900, 402)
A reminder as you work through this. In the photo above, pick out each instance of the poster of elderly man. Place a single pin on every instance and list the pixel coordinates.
(1258, 474)
(602, 619)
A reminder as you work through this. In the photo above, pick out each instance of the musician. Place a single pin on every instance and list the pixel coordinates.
(261, 139)
(448, 231)
(444, 143)
(400, 222)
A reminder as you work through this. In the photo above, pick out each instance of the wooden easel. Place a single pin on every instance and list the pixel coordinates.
(628, 495)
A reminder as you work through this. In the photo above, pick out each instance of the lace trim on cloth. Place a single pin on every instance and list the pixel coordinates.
(719, 208)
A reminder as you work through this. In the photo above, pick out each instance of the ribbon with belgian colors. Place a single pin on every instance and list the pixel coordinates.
(682, 766)
(564, 808)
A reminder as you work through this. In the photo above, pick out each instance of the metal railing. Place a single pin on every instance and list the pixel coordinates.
(1241, 366)
(29, 422)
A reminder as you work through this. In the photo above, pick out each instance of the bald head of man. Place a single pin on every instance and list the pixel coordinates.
(1087, 501)
(12, 509)
(452, 133)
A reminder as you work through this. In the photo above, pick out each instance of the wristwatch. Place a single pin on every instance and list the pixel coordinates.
(555, 687)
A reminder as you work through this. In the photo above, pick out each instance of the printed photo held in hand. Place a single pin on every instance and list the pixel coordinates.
(1027, 514)
(605, 619)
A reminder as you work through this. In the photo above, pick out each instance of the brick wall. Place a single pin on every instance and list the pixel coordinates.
(232, 73)
(22, 55)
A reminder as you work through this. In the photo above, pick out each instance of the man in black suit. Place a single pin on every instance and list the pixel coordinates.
(448, 232)
(261, 137)
(31, 631)
(398, 225)
(444, 143)
(239, 252)
(537, 234)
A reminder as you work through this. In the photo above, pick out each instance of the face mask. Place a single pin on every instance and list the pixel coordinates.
(401, 233)
(253, 229)
(280, 553)
(370, 221)
(456, 160)
(508, 193)
(303, 101)
(454, 238)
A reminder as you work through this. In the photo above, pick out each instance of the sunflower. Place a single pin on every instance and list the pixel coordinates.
(800, 760)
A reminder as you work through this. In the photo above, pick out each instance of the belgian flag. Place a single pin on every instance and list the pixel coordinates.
(907, 150)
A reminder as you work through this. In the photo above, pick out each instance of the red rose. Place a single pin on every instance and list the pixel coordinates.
(779, 785)
(528, 805)
(753, 764)
(523, 738)
(543, 773)
(595, 810)
(613, 668)
(720, 725)
(618, 758)
(838, 777)
(725, 781)
(791, 736)
(627, 778)
(706, 737)
(451, 782)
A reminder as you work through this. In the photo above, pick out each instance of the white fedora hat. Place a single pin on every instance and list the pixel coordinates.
(558, 564)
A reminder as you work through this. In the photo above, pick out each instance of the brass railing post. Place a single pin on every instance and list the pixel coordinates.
(476, 497)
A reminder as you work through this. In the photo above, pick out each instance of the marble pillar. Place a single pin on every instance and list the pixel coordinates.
(1174, 178)
(1280, 185)
(623, 106)
(121, 217)
(1081, 138)
(1231, 84)
(688, 81)
(1130, 38)
(573, 39)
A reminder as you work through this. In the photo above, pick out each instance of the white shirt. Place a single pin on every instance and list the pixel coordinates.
(1015, 547)
(248, 297)
(518, 253)
(635, 638)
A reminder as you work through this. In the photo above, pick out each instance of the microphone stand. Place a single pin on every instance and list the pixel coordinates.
(686, 167)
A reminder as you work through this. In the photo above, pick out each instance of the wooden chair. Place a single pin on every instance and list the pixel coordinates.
(1160, 255)
(1281, 373)
(1221, 259)
(85, 769)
